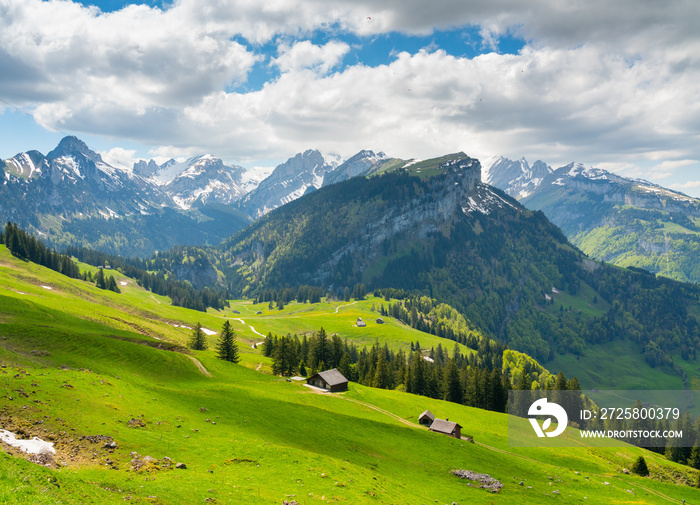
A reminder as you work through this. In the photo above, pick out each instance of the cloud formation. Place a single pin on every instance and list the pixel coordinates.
(596, 82)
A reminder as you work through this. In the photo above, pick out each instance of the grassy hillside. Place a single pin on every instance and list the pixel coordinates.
(79, 362)
(661, 242)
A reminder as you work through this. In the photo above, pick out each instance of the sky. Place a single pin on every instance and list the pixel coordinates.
(614, 85)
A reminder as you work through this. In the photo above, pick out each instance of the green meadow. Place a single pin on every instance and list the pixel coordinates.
(82, 367)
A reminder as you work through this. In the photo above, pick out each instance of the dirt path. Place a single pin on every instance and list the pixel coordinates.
(341, 306)
(657, 493)
(200, 366)
(249, 326)
(382, 411)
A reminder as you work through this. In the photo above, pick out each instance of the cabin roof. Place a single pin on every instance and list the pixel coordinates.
(443, 426)
(427, 414)
(332, 377)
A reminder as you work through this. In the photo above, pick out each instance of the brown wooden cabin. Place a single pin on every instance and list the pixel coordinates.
(426, 418)
(332, 380)
(446, 427)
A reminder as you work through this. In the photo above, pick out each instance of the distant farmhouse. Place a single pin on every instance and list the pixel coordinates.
(380, 320)
(360, 323)
(426, 418)
(331, 380)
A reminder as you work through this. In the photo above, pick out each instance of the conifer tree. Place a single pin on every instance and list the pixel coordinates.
(100, 279)
(640, 467)
(111, 284)
(227, 348)
(382, 374)
(198, 341)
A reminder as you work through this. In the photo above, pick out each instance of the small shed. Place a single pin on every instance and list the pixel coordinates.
(360, 322)
(380, 320)
(446, 427)
(332, 380)
(426, 418)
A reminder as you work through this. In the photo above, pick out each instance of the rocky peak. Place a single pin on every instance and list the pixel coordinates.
(73, 147)
(146, 169)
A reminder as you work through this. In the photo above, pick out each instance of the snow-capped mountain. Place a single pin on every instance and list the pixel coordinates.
(613, 218)
(517, 178)
(197, 181)
(288, 181)
(72, 179)
(72, 197)
(359, 164)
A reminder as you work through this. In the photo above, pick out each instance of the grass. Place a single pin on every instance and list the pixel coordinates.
(339, 318)
(615, 365)
(583, 301)
(246, 436)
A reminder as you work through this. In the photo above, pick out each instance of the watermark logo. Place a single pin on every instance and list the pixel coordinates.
(544, 408)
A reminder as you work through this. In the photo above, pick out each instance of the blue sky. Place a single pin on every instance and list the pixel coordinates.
(610, 85)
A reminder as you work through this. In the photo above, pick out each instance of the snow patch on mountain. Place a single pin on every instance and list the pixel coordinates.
(252, 177)
(486, 201)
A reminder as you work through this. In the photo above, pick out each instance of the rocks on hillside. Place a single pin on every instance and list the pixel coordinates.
(487, 482)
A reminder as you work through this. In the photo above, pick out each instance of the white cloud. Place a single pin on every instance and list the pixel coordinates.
(136, 58)
(686, 185)
(598, 81)
(120, 158)
(304, 54)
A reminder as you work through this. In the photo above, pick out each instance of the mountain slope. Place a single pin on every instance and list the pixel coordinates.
(517, 178)
(198, 181)
(444, 234)
(359, 164)
(627, 222)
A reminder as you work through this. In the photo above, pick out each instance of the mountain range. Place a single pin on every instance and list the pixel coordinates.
(71, 196)
(624, 221)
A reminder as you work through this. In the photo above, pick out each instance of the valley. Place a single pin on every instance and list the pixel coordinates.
(92, 371)
(476, 294)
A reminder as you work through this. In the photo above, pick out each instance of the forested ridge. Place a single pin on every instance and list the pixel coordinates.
(508, 270)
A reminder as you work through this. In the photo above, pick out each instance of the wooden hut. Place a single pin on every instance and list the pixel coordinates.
(360, 322)
(446, 428)
(426, 418)
(332, 380)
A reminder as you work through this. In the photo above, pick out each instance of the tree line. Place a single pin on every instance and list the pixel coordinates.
(27, 247)
(473, 379)
(182, 293)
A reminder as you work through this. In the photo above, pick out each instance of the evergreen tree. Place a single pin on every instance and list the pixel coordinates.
(111, 284)
(452, 387)
(694, 459)
(100, 279)
(227, 348)
(382, 374)
(268, 347)
(198, 341)
(640, 467)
